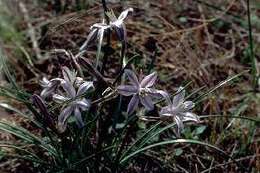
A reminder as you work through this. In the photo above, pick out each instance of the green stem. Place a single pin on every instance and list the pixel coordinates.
(251, 46)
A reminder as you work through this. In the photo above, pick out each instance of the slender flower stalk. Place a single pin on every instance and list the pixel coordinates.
(142, 91)
(179, 110)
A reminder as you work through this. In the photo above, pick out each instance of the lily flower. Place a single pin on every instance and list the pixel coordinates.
(179, 110)
(141, 91)
(75, 105)
(118, 23)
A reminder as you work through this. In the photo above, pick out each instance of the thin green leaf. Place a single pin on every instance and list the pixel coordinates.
(143, 139)
(26, 136)
(202, 97)
(176, 141)
(9, 107)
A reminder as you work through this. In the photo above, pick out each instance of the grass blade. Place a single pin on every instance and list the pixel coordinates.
(178, 141)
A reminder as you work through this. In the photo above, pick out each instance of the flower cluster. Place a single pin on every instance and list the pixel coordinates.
(63, 91)
(70, 90)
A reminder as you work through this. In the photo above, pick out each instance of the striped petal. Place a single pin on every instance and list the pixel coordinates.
(84, 88)
(62, 119)
(179, 98)
(78, 117)
(127, 90)
(132, 77)
(149, 80)
(133, 104)
(147, 102)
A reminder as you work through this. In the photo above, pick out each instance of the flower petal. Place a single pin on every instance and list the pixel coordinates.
(166, 111)
(124, 14)
(59, 98)
(132, 77)
(62, 119)
(68, 75)
(188, 116)
(179, 98)
(179, 123)
(149, 80)
(84, 88)
(50, 86)
(133, 104)
(46, 92)
(78, 117)
(188, 105)
(83, 104)
(121, 32)
(69, 89)
(147, 102)
(127, 90)
(44, 82)
(91, 37)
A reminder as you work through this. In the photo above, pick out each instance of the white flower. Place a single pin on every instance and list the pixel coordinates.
(179, 110)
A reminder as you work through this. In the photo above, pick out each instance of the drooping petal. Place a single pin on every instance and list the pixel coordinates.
(69, 89)
(83, 104)
(84, 88)
(124, 14)
(78, 117)
(62, 119)
(132, 77)
(127, 90)
(121, 32)
(59, 98)
(179, 123)
(179, 98)
(149, 80)
(91, 37)
(188, 116)
(147, 102)
(133, 104)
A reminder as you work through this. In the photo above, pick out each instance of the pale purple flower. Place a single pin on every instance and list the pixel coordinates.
(118, 23)
(141, 91)
(76, 104)
(179, 110)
